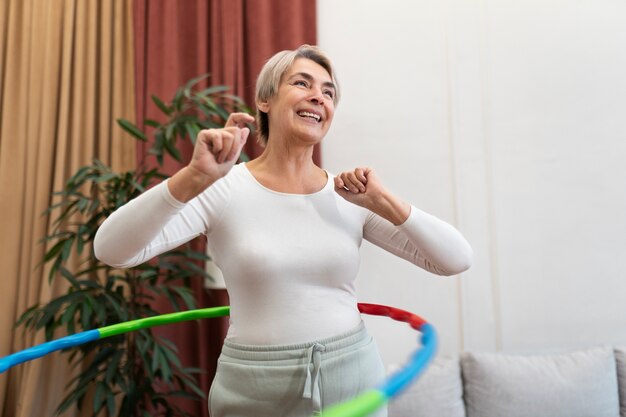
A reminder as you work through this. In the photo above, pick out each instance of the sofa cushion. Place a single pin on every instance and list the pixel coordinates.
(438, 393)
(576, 384)
(620, 356)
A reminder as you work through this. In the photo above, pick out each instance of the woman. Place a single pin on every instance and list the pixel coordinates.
(286, 235)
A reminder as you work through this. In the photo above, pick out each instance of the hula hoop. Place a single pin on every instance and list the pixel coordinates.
(359, 406)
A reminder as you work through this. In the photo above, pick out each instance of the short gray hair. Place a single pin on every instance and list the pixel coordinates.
(272, 72)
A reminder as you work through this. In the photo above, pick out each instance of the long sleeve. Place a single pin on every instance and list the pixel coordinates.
(422, 239)
(147, 226)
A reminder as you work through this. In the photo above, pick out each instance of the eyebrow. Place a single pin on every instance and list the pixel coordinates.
(309, 77)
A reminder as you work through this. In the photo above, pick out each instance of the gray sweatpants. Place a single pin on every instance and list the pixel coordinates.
(294, 380)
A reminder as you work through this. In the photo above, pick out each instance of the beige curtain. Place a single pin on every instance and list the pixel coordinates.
(66, 74)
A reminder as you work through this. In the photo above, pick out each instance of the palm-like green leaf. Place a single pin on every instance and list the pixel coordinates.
(132, 129)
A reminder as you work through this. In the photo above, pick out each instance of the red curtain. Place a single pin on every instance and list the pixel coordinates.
(230, 39)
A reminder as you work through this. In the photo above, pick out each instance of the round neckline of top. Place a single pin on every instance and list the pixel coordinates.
(253, 178)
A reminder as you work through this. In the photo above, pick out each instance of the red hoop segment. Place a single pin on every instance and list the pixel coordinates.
(397, 314)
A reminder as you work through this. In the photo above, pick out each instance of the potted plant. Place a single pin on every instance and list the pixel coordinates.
(137, 373)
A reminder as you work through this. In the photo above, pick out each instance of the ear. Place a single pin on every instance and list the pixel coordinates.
(264, 106)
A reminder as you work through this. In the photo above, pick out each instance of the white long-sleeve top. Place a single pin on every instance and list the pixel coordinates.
(289, 260)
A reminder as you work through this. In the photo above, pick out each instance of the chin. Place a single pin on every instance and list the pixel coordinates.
(312, 137)
(314, 140)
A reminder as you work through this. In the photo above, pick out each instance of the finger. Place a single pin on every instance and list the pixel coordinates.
(206, 139)
(214, 140)
(341, 189)
(204, 136)
(239, 120)
(347, 183)
(354, 183)
(228, 139)
(246, 119)
(339, 182)
(238, 143)
(245, 132)
(360, 174)
(231, 121)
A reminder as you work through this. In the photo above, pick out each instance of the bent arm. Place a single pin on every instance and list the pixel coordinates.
(402, 229)
(169, 214)
(147, 226)
(423, 240)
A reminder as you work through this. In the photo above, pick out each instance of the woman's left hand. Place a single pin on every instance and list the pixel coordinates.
(358, 186)
(362, 187)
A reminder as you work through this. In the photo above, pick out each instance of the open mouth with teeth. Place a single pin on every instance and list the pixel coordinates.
(310, 116)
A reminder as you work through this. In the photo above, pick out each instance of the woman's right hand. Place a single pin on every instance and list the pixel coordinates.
(217, 150)
(214, 154)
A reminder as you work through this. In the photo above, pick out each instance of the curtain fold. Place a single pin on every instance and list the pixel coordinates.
(231, 40)
(66, 74)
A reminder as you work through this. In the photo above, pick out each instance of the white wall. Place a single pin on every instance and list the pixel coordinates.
(506, 118)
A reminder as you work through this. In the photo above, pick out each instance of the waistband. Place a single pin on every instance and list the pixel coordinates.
(332, 345)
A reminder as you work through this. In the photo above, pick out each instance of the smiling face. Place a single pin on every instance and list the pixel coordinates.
(303, 107)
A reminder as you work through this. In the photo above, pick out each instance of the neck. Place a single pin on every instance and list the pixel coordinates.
(288, 169)
(287, 155)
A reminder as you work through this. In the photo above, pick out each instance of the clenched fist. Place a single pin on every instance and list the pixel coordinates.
(214, 154)
(217, 150)
(362, 187)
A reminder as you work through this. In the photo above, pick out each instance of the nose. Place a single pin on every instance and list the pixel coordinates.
(317, 96)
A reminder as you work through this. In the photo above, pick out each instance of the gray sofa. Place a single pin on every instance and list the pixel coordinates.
(584, 383)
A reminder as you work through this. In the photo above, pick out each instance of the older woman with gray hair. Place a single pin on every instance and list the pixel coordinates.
(286, 235)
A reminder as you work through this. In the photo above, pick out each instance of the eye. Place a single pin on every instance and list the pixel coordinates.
(301, 83)
(329, 93)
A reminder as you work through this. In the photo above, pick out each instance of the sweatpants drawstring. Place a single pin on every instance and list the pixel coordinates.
(311, 385)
